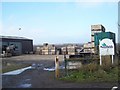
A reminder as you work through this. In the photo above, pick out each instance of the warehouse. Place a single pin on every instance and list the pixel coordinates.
(21, 45)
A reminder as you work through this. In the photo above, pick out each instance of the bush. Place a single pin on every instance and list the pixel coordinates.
(92, 67)
(94, 73)
(106, 67)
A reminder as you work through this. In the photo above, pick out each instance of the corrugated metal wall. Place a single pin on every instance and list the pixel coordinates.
(22, 45)
(27, 46)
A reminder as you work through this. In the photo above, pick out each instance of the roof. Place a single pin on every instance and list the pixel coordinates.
(12, 37)
(104, 33)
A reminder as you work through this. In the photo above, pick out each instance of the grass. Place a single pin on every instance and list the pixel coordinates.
(13, 66)
(94, 73)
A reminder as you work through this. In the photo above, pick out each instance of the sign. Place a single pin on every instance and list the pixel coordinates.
(74, 65)
(106, 47)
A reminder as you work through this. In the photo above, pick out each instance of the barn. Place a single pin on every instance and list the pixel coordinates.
(22, 45)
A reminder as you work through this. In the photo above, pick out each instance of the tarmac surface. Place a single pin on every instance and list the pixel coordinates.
(39, 78)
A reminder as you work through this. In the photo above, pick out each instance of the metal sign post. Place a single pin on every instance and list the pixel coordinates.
(112, 59)
(100, 60)
(66, 72)
(56, 67)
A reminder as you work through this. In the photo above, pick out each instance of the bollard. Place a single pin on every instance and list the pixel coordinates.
(56, 67)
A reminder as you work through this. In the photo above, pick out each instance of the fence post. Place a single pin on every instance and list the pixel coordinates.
(66, 71)
(57, 67)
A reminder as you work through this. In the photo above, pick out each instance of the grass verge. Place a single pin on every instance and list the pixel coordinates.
(12, 67)
(93, 73)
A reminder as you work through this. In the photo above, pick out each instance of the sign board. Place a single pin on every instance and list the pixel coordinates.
(74, 65)
(106, 47)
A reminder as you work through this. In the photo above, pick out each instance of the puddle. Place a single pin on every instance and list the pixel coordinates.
(27, 80)
(25, 85)
(16, 72)
(53, 68)
(35, 66)
(49, 69)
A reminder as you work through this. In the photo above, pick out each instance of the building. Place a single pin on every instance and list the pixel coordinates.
(22, 45)
(103, 35)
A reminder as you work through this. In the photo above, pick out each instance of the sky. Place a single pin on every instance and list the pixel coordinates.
(57, 22)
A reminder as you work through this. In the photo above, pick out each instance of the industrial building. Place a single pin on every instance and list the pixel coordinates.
(21, 45)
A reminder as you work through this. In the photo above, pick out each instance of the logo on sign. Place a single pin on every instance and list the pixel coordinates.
(106, 46)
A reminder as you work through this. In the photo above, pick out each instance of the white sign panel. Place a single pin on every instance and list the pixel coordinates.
(106, 47)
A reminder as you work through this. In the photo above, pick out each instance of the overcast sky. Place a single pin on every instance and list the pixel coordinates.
(57, 22)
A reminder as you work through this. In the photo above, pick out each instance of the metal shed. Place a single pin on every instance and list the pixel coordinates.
(23, 45)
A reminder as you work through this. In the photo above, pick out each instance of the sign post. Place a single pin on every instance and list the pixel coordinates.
(112, 59)
(106, 47)
(100, 61)
(56, 67)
